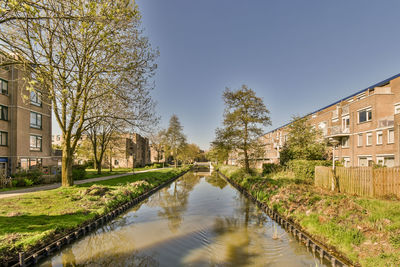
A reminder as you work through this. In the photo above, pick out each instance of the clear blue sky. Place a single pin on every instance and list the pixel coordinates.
(299, 55)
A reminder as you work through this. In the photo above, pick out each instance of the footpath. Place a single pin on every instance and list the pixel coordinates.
(18, 192)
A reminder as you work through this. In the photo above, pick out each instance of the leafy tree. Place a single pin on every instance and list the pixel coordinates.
(79, 52)
(175, 139)
(304, 142)
(190, 153)
(244, 115)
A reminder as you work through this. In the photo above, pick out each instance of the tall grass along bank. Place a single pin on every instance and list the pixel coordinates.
(364, 230)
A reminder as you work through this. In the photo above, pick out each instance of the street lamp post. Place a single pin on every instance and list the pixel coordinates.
(334, 142)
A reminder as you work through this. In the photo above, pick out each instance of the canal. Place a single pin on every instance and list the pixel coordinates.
(199, 220)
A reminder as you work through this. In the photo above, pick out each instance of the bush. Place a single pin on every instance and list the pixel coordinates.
(78, 172)
(268, 168)
(304, 169)
(18, 182)
(28, 182)
(35, 176)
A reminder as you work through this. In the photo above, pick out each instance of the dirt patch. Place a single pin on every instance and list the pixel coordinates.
(96, 190)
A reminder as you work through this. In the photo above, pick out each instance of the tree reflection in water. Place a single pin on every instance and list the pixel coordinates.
(216, 181)
(196, 221)
(174, 202)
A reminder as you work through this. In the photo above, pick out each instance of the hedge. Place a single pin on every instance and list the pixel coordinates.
(305, 169)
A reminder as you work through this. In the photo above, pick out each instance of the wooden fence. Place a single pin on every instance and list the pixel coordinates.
(362, 181)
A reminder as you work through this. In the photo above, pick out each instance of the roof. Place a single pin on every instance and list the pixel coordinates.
(334, 103)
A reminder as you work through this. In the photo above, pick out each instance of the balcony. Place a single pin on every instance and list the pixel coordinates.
(386, 122)
(338, 131)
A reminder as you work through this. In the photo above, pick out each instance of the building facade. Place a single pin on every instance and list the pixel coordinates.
(25, 124)
(367, 125)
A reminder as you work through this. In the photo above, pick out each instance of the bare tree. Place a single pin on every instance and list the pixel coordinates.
(74, 57)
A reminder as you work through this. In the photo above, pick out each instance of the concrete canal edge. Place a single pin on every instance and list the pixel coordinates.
(32, 257)
(317, 248)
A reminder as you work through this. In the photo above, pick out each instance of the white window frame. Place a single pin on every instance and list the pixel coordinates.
(345, 144)
(366, 141)
(344, 120)
(368, 109)
(379, 133)
(397, 108)
(360, 140)
(368, 157)
(346, 161)
(388, 136)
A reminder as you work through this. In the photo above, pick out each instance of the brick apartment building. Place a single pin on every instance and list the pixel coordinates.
(124, 150)
(366, 123)
(25, 125)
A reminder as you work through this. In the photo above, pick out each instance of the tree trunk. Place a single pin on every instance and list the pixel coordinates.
(246, 161)
(175, 159)
(66, 169)
(110, 160)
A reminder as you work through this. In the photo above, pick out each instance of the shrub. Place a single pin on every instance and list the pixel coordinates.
(304, 169)
(35, 176)
(28, 182)
(268, 168)
(18, 182)
(79, 172)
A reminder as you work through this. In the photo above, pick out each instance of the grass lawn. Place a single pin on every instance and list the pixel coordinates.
(29, 220)
(365, 230)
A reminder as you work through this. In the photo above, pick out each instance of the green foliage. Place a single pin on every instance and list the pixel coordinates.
(174, 138)
(244, 115)
(79, 172)
(304, 142)
(35, 175)
(268, 168)
(305, 169)
(28, 182)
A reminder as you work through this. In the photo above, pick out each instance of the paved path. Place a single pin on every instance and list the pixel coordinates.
(13, 193)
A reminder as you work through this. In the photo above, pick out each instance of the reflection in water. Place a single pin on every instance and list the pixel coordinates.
(196, 221)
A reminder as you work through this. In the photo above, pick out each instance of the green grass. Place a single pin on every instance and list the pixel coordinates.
(92, 173)
(365, 230)
(28, 220)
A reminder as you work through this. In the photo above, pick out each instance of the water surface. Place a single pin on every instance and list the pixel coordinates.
(197, 221)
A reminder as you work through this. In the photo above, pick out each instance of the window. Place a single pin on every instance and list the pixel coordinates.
(391, 136)
(345, 142)
(3, 113)
(379, 138)
(3, 138)
(27, 163)
(3, 87)
(345, 124)
(35, 98)
(36, 120)
(386, 160)
(364, 115)
(346, 161)
(389, 161)
(365, 161)
(360, 140)
(36, 143)
(369, 139)
(397, 108)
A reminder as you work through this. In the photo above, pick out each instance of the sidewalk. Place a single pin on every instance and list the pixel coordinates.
(13, 193)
